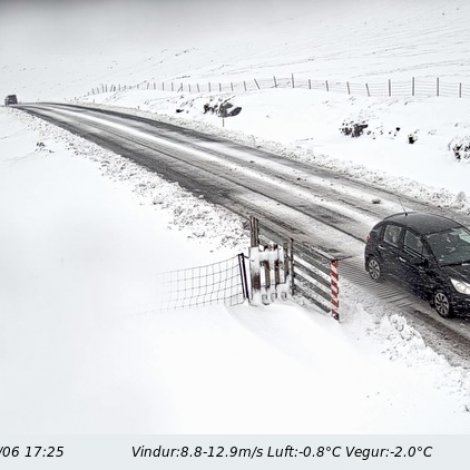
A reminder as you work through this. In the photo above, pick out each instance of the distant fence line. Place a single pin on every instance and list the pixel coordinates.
(414, 87)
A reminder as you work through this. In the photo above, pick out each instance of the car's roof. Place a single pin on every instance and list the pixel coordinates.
(423, 223)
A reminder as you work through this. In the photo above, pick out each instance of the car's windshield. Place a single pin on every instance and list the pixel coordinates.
(451, 246)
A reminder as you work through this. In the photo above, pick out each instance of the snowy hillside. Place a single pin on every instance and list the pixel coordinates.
(112, 42)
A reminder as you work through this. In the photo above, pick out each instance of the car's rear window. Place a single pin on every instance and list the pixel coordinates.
(392, 234)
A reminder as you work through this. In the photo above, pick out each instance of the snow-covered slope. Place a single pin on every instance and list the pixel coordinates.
(55, 50)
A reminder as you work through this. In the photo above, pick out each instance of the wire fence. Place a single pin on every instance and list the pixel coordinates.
(223, 282)
(414, 87)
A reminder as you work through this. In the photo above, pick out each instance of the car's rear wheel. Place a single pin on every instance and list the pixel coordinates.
(374, 268)
(442, 304)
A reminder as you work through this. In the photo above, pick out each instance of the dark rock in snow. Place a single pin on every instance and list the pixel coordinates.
(460, 147)
(223, 109)
(353, 129)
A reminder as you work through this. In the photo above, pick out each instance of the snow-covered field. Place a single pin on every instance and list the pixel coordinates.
(83, 351)
(84, 233)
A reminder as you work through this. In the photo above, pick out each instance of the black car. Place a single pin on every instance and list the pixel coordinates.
(429, 253)
(11, 99)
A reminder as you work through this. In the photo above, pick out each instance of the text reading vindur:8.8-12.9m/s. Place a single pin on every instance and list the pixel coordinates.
(31, 451)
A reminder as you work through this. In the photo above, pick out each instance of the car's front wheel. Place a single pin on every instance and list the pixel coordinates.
(442, 304)
(374, 269)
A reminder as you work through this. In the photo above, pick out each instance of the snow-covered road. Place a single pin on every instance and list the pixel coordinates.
(303, 201)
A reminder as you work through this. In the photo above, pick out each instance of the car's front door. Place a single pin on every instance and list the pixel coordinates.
(414, 260)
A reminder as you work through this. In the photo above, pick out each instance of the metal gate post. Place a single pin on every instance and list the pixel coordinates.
(254, 231)
(244, 280)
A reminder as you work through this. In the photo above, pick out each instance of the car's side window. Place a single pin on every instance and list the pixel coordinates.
(412, 243)
(392, 234)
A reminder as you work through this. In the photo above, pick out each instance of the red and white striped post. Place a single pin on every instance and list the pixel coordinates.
(334, 289)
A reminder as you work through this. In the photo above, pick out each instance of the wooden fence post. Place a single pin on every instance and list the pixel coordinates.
(209, 87)
(197, 86)
(256, 83)
(231, 86)
(389, 87)
(349, 88)
(327, 86)
(460, 90)
(367, 89)
(437, 86)
(220, 87)
(172, 86)
(244, 84)
(293, 84)
(275, 82)
(309, 84)
(412, 86)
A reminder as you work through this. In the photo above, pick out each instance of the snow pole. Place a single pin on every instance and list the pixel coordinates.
(334, 289)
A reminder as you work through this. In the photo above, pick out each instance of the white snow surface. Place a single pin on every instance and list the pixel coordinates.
(62, 49)
(84, 351)
(84, 233)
